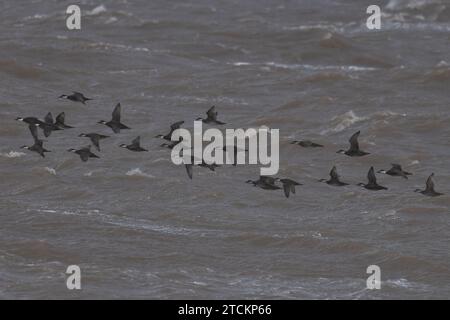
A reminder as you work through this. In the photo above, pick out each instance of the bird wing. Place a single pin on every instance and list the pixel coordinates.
(34, 132)
(396, 166)
(333, 173)
(136, 142)
(430, 183)
(189, 170)
(176, 125)
(49, 118)
(211, 113)
(61, 118)
(116, 113)
(371, 176)
(354, 145)
(287, 189)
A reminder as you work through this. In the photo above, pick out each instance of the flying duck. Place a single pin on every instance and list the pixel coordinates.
(84, 153)
(372, 184)
(211, 117)
(134, 146)
(429, 190)
(173, 127)
(354, 150)
(265, 182)
(396, 171)
(76, 97)
(115, 123)
(38, 145)
(307, 144)
(334, 179)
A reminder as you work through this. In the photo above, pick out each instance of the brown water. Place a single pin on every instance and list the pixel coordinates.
(139, 228)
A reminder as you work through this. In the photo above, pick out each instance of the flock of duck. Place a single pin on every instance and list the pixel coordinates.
(48, 125)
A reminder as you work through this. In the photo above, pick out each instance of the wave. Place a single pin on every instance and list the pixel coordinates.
(347, 68)
(12, 154)
(137, 172)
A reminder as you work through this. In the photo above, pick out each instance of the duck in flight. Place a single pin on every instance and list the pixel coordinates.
(264, 182)
(372, 184)
(38, 145)
(75, 97)
(307, 144)
(61, 121)
(171, 144)
(429, 190)
(396, 171)
(354, 150)
(173, 127)
(84, 153)
(190, 166)
(115, 123)
(95, 138)
(211, 117)
(30, 120)
(288, 186)
(134, 146)
(334, 179)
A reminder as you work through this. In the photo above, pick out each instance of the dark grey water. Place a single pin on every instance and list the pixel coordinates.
(139, 228)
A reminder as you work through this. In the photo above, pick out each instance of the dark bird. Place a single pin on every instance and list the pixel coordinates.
(48, 126)
(429, 190)
(396, 171)
(171, 144)
(334, 179)
(372, 184)
(288, 186)
(173, 127)
(95, 138)
(307, 144)
(265, 182)
(61, 121)
(84, 153)
(115, 123)
(235, 150)
(30, 120)
(134, 146)
(76, 97)
(190, 166)
(354, 150)
(211, 117)
(38, 145)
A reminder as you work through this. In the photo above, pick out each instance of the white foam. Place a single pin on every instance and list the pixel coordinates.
(97, 10)
(139, 173)
(50, 170)
(12, 154)
(343, 122)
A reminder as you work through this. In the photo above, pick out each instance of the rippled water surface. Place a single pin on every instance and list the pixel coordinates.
(139, 228)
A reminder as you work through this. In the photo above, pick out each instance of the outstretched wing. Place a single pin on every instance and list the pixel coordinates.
(287, 189)
(116, 113)
(49, 118)
(211, 113)
(333, 174)
(176, 125)
(354, 145)
(136, 142)
(34, 132)
(189, 170)
(371, 176)
(61, 118)
(430, 183)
